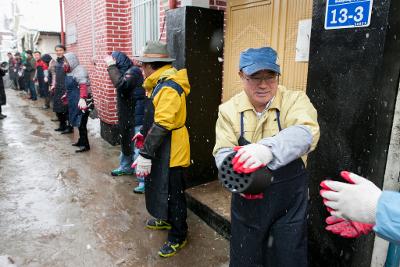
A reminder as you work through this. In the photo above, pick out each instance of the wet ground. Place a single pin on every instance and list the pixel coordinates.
(59, 208)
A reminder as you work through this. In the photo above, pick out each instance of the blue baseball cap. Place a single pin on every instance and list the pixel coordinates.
(255, 59)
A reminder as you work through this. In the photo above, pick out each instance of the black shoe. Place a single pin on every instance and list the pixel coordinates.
(170, 248)
(155, 224)
(60, 129)
(82, 149)
(68, 130)
(76, 144)
(54, 119)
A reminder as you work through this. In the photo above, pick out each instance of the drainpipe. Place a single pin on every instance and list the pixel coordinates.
(62, 23)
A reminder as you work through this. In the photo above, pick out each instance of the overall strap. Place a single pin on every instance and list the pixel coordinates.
(241, 125)
(278, 120)
(170, 83)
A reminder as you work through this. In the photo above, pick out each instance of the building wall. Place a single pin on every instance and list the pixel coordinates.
(47, 43)
(103, 26)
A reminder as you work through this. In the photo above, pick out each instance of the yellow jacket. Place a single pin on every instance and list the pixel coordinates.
(295, 109)
(170, 111)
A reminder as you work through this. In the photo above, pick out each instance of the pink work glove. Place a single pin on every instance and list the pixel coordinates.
(139, 140)
(347, 229)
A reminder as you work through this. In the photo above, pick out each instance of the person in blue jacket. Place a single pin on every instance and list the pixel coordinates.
(361, 201)
(128, 80)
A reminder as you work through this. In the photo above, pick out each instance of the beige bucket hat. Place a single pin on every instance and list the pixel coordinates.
(154, 51)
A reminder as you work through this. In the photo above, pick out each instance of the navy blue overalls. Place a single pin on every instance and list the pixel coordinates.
(272, 231)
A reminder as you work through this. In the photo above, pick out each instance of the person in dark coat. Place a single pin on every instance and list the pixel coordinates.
(77, 84)
(2, 92)
(12, 71)
(29, 75)
(58, 69)
(128, 80)
(19, 71)
(46, 58)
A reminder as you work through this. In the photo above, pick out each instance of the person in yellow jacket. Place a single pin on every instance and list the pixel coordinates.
(166, 151)
(268, 126)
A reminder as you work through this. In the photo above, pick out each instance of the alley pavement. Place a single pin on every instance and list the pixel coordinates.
(60, 208)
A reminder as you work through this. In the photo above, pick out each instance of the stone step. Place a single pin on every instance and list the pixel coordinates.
(211, 202)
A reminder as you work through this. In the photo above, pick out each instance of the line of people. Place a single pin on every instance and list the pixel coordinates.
(62, 80)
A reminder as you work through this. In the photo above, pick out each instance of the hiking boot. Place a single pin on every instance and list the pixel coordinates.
(2, 116)
(139, 189)
(119, 172)
(68, 130)
(170, 248)
(155, 224)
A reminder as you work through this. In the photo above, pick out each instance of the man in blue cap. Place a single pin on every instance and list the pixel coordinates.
(268, 126)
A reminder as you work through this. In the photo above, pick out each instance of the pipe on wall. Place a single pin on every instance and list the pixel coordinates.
(62, 23)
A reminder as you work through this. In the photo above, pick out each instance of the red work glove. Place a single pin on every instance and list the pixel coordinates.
(250, 158)
(347, 229)
(139, 140)
(64, 99)
(83, 90)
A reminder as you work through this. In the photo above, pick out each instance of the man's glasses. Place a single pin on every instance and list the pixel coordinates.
(257, 80)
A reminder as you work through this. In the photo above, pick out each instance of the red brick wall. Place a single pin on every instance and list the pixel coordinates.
(112, 30)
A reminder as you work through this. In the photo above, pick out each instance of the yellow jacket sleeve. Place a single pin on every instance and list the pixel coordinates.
(167, 104)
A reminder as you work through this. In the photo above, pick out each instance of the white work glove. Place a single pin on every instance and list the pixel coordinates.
(356, 201)
(109, 60)
(46, 79)
(250, 158)
(142, 166)
(82, 104)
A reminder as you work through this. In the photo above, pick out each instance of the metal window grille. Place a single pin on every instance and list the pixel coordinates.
(146, 24)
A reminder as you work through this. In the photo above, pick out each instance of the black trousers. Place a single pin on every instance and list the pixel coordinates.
(62, 118)
(271, 231)
(177, 212)
(83, 133)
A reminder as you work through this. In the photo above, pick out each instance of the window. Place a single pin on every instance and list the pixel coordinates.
(146, 25)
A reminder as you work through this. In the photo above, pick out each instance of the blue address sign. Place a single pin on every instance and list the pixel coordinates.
(347, 14)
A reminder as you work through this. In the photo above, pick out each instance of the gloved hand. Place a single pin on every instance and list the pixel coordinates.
(347, 229)
(142, 166)
(64, 99)
(82, 104)
(139, 140)
(109, 60)
(250, 158)
(46, 79)
(356, 201)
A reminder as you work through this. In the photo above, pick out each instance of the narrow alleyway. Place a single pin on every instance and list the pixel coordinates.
(59, 208)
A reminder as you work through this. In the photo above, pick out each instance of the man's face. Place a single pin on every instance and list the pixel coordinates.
(147, 70)
(59, 52)
(36, 56)
(9, 55)
(28, 56)
(260, 87)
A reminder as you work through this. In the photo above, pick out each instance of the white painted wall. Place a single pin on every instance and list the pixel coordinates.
(47, 43)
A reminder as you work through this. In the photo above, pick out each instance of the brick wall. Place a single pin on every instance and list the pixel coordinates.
(103, 26)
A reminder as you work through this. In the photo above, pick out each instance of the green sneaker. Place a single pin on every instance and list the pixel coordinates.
(118, 172)
(139, 189)
(169, 248)
(155, 224)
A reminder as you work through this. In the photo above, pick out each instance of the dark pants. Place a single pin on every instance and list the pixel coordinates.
(177, 205)
(30, 85)
(271, 231)
(62, 118)
(21, 82)
(83, 137)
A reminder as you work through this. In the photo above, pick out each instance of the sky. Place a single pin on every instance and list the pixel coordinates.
(43, 15)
